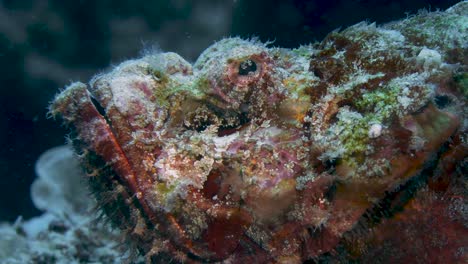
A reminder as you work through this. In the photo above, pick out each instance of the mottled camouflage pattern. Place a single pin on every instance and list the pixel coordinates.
(258, 154)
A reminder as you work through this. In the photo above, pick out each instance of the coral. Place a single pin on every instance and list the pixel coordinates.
(59, 186)
(67, 231)
(261, 154)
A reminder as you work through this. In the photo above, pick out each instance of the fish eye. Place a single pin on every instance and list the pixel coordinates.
(247, 67)
(245, 71)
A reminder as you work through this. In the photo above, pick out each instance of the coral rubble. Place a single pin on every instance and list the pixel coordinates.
(262, 154)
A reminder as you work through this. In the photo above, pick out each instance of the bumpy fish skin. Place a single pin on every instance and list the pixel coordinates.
(268, 155)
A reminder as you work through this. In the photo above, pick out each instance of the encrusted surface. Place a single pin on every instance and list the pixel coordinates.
(257, 153)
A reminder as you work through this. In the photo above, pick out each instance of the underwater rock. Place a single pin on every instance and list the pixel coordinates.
(268, 155)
